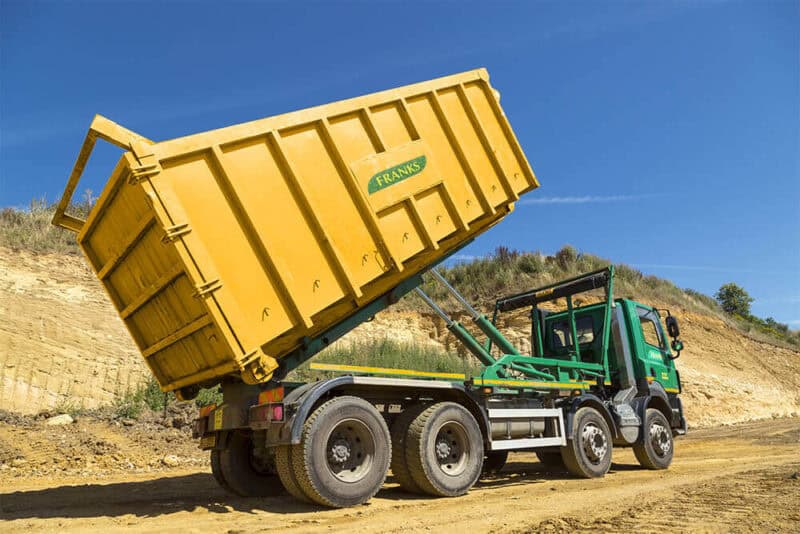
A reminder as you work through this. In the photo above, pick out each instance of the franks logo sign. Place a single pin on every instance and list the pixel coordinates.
(396, 174)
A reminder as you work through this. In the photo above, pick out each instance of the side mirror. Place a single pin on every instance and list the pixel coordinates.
(677, 345)
(673, 329)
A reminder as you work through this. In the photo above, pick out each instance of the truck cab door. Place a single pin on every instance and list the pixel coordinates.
(653, 351)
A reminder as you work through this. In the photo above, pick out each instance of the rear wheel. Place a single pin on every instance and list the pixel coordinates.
(344, 453)
(551, 459)
(445, 450)
(588, 453)
(216, 470)
(285, 467)
(400, 470)
(240, 470)
(494, 461)
(657, 447)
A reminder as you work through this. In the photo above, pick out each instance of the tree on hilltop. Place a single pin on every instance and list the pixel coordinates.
(734, 299)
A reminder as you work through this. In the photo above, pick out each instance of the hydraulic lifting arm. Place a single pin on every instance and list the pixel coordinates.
(511, 360)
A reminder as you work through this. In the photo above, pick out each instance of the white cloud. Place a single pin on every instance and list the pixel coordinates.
(586, 199)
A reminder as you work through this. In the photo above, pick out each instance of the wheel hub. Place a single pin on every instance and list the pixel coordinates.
(350, 450)
(340, 451)
(452, 448)
(443, 449)
(594, 442)
(660, 439)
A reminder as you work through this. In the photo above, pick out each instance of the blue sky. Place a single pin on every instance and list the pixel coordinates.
(665, 135)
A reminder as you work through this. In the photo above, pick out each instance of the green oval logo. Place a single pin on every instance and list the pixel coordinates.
(396, 174)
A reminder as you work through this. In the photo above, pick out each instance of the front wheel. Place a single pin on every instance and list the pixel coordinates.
(588, 453)
(657, 446)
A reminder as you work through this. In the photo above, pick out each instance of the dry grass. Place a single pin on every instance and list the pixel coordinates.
(508, 271)
(31, 229)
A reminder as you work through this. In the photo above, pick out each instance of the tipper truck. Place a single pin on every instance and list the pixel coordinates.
(235, 255)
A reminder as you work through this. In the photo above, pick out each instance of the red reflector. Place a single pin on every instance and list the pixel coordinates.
(271, 395)
(277, 412)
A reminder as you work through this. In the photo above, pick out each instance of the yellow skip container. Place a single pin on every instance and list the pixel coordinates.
(226, 250)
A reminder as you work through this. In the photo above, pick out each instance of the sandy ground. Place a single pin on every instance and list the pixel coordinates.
(741, 478)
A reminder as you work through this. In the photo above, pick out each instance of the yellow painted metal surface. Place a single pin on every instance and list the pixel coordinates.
(223, 250)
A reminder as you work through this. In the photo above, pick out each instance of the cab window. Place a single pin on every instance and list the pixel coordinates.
(562, 335)
(651, 328)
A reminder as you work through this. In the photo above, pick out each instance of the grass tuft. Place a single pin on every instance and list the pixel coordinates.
(31, 229)
(387, 353)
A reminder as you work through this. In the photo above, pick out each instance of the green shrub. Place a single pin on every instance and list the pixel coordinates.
(566, 257)
(148, 396)
(130, 405)
(209, 396)
(68, 406)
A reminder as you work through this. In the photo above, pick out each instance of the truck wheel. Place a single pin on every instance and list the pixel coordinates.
(494, 461)
(588, 452)
(284, 465)
(400, 470)
(445, 450)
(240, 471)
(216, 470)
(657, 447)
(344, 454)
(551, 459)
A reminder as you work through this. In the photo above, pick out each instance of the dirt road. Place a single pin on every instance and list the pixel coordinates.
(743, 478)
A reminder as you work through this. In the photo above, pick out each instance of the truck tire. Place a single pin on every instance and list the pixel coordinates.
(445, 450)
(399, 464)
(285, 467)
(657, 447)
(588, 453)
(216, 470)
(551, 459)
(239, 471)
(344, 453)
(494, 461)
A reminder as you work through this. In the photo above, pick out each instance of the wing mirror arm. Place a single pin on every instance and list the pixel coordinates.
(674, 332)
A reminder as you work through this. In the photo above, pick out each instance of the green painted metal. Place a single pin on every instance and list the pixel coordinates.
(649, 361)
(570, 368)
(575, 354)
(607, 320)
(537, 330)
(486, 326)
(471, 344)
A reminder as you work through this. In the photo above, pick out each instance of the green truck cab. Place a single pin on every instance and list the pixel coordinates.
(653, 361)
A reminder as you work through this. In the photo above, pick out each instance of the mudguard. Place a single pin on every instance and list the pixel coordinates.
(588, 399)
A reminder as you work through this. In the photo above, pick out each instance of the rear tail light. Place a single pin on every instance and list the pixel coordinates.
(267, 413)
